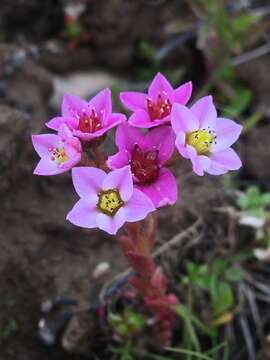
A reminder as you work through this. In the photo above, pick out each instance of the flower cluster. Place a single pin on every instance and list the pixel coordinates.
(139, 180)
(127, 187)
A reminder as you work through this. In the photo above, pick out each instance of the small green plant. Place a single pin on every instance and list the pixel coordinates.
(126, 326)
(217, 280)
(8, 329)
(254, 202)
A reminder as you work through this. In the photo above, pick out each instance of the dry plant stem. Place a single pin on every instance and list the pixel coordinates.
(100, 159)
(86, 161)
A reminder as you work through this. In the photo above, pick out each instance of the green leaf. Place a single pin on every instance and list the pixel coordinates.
(10, 328)
(224, 299)
(240, 103)
(244, 22)
(243, 202)
(135, 320)
(186, 314)
(234, 274)
(265, 199)
(218, 268)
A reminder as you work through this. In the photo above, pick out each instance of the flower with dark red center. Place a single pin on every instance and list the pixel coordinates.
(146, 154)
(88, 120)
(154, 108)
(159, 109)
(144, 165)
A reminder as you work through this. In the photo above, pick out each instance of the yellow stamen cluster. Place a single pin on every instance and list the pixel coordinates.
(201, 140)
(59, 155)
(110, 201)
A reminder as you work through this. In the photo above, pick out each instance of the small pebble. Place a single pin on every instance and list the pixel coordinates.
(19, 58)
(46, 306)
(45, 334)
(100, 270)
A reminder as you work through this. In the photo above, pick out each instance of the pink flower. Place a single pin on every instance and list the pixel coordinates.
(107, 201)
(204, 138)
(154, 108)
(147, 154)
(58, 153)
(88, 120)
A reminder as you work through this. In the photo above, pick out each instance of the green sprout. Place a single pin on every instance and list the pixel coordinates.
(254, 202)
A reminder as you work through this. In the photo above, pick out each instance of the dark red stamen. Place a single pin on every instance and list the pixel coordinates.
(159, 109)
(89, 123)
(144, 166)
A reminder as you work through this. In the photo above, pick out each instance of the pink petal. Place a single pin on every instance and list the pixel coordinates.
(224, 161)
(160, 85)
(140, 118)
(47, 167)
(161, 139)
(183, 151)
(74, 156)
(205, 112)
(163, 191)
(227, 132)
(180, 140)
(88, 136)
(127, 136)
(72, 106)
(56, 122)
(114, 120)
(119, 160)
(111, 224)
(138, 206)
(200, 163)
(133, 100)
(87, 180)
(120, 179)
(183, 119)
(69, 164)
(84, 212)
(183, 93)
(102, 102)
(42, 143)
(64, 132)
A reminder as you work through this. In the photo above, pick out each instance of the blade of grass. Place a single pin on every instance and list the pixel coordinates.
(216, 348)
(184, 313)
(156, 357)
(189, 352)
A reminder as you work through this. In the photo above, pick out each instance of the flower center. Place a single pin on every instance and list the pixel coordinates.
(201, 140)
(59, 155)
(89, 123)
(109, 201)
(144, 166)
(159, 109)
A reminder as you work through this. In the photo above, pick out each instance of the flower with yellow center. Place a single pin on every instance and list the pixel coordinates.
(201, 140)
(59, 155)
(109, 201)
(205, 138)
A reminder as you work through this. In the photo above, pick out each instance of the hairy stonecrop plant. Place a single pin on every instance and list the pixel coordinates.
(127, 188)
